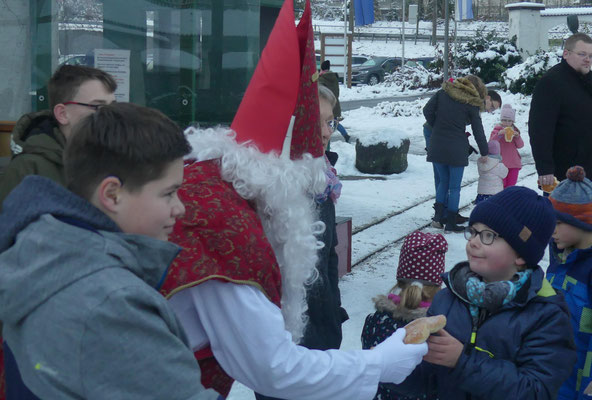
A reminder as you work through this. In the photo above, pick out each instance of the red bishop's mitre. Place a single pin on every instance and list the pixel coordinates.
(283, 85)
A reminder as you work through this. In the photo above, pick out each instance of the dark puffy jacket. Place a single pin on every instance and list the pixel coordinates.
(331, 81)
(572, 276)
(37, 149)
(530, 339)
(560, 121)
(448, 112)
(325, 314)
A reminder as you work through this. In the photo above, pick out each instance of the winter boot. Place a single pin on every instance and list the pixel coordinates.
(451, 225)
(460, 219)
(438, 220)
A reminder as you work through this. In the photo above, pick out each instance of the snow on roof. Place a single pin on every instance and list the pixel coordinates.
(525, 5)
(567, 11)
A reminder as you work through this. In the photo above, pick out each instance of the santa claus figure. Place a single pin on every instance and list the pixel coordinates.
(250, 241)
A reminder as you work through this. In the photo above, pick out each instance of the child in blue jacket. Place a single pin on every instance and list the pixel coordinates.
(507, 334)
(570, 270)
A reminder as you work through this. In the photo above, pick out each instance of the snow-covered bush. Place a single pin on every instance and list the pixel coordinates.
(487, 56)
(523, 77)
(413, 78)
(400, 108)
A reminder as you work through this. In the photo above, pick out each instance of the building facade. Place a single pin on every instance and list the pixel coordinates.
(192, 59)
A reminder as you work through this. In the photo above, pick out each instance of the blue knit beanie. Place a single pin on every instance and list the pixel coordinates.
(572, 199)
(521, 217)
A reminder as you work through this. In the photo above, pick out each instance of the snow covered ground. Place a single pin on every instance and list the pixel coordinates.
(400, 203)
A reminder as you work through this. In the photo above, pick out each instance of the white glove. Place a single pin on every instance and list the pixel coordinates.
(399, 359)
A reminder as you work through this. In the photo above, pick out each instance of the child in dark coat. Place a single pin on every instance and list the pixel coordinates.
(507, 334)
(421, 263)
(570, 270)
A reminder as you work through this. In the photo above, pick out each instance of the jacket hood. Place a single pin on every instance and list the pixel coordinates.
(383, 303)
(464, 92)
(51, 238)
(38, 133)
(490, 164)
(536, 289)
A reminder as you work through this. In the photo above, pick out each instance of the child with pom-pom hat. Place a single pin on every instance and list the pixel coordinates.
(570, 269)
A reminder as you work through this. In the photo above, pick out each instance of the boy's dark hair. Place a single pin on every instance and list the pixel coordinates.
(494, 96)
(131, 142)
(326, 65)
(66, 80)
(570, 43)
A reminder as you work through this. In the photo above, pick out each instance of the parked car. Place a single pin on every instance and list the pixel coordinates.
(356, 60)
(359, 60)
(372, 71)
(423, 61)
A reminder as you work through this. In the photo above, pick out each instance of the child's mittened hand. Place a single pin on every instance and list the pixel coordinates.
(444, 349)
(399, 359)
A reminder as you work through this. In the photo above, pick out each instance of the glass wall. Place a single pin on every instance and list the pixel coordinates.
(192, 59)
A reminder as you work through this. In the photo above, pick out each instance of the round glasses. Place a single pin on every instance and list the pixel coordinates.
(332, 124)
(486, 236)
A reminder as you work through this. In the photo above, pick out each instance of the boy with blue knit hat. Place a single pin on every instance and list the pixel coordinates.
(570, 269)
(507, 334)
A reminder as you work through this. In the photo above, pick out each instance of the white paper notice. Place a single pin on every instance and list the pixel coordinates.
(117, 63)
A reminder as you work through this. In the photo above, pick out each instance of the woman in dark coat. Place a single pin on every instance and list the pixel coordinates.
(448, 112)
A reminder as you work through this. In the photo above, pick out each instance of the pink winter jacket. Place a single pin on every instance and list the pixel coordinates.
(491, 176)
(508, 150)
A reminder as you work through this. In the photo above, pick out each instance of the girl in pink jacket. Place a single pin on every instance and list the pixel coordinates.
(508, 136)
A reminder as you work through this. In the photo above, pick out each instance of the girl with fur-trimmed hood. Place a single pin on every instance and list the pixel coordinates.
(448, 112)
(421, 263)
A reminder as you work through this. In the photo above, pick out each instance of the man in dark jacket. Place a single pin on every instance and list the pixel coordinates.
(330, 79)
(39, 138)
(560, 121)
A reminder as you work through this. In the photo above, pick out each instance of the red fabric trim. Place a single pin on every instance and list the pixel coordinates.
(204, 353)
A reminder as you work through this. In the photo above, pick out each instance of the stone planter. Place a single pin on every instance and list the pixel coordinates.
(381, 158)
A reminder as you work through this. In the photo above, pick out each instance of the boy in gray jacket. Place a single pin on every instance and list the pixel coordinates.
(82, 317)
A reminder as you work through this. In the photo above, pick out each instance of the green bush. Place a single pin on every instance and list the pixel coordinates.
(488, 56)
(522, 78)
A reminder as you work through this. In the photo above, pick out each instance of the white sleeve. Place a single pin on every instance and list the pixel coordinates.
(247, 336)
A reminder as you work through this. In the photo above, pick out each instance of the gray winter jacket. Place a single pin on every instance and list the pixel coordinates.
(78, 303)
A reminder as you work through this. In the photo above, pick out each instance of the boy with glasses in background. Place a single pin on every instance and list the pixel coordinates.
(39, 138)
(507, 334)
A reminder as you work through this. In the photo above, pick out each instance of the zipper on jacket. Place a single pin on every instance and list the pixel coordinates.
(473, 340)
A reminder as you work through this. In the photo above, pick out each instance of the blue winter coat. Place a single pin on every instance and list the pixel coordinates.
(573, 278)
(523, 351)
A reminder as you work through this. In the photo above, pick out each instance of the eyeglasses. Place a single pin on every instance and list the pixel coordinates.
(582, 55)
(93, 106)
(332, 124)
(486, 236)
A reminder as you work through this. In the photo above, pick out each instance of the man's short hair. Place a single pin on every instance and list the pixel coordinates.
(66, 81)
(494, 96)
(125, 140)
(326, 94)
(571, 41)
(326, 65)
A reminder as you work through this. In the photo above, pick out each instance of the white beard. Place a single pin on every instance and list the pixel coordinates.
(282, 191)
